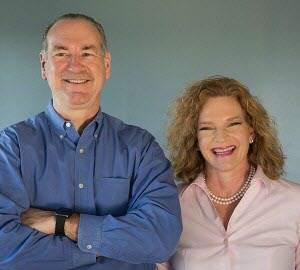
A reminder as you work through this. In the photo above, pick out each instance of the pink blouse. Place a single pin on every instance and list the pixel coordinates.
(263, 232)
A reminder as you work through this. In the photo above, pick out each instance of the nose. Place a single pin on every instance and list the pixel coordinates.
(219, 135)
(75, 63)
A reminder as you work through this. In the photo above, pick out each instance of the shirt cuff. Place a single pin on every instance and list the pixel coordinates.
(90, 233)
(80, 258)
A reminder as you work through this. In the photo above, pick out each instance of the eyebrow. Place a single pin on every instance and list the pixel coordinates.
(84, 48)
(59, 47)
(89, 47)
(238, 117)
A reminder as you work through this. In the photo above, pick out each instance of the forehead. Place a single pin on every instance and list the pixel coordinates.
(76, 31)
(220, 108)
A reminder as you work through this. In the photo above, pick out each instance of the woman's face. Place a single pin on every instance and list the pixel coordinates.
(223, 134)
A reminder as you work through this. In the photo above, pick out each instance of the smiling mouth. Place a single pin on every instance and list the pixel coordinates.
(76, 81)
(223, 151)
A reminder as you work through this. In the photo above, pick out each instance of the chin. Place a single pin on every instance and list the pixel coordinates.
(78, 99)
(224, 167)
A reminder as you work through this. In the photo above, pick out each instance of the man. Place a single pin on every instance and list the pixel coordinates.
(79, 188)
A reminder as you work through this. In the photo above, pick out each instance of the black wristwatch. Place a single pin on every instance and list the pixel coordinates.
(61, 215)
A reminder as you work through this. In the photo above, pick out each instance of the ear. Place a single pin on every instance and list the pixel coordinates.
(43, 59)
(107, 63)
(251, 134)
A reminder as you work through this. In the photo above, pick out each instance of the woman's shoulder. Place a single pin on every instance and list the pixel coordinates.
(288, 184)
(278, 186)
(286, 187)
(184, 188)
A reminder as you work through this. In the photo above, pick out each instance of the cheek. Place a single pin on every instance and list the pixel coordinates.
(204, 137)
(56, 67)
(49, 71)
(245, 137)
(203, 143)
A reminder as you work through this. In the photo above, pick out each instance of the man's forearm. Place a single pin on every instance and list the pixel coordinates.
(45, 221)
(40, 220)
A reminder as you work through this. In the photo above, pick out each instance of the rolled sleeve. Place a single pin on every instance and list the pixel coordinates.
(90, 233)
(81, 257)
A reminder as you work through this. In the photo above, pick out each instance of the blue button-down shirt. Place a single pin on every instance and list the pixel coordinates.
(115, 175)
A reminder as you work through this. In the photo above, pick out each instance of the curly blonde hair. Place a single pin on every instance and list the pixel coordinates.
(182, 128)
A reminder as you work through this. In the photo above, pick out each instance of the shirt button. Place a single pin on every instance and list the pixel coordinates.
(61, 136)
(81, 150)
(68, 124)
(89, 246)
(80, 185)
(225, 241)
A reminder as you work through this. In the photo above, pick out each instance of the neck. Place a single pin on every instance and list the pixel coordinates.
(227, 183)
(79, 117)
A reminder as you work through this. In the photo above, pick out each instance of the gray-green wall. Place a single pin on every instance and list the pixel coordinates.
(158, 47)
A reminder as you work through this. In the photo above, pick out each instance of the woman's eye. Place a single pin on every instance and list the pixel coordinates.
(235, 124)
(205, 128)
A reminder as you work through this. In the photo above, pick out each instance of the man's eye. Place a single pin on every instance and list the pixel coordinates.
(61, 54)
(87, 54)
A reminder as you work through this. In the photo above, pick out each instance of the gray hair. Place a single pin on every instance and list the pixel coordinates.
(76, 16)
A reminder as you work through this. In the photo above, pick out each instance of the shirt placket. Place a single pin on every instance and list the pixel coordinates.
(225, 234)
(84, 182)
(234, 230)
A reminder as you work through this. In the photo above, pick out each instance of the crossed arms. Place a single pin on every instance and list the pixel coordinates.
(151, 225)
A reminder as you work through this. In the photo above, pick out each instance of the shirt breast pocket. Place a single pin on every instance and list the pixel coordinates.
(112, 196)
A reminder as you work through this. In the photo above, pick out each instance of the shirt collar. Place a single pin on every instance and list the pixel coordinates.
(59, 124)
(99, 120)
(56, 121)
(260, 176)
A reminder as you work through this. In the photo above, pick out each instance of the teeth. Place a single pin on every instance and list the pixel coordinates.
(77, 81)
(225, 150)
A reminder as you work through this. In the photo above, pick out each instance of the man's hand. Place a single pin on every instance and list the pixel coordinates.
(71, 227)
(41, 220)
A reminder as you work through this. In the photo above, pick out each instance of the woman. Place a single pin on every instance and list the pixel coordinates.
(237, 212)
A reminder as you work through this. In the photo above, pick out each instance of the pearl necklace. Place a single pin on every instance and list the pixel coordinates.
(237, 196)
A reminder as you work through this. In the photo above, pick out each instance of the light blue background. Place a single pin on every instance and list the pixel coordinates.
(158, 47)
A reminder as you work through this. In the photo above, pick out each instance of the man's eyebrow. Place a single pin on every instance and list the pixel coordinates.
(85, 47)
(59, 47)
(89, 47)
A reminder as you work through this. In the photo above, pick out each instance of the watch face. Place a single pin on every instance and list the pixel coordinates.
(64, 212)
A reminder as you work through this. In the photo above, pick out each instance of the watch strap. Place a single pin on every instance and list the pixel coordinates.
(61, 215)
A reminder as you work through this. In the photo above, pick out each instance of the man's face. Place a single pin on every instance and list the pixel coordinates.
(75, 66)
